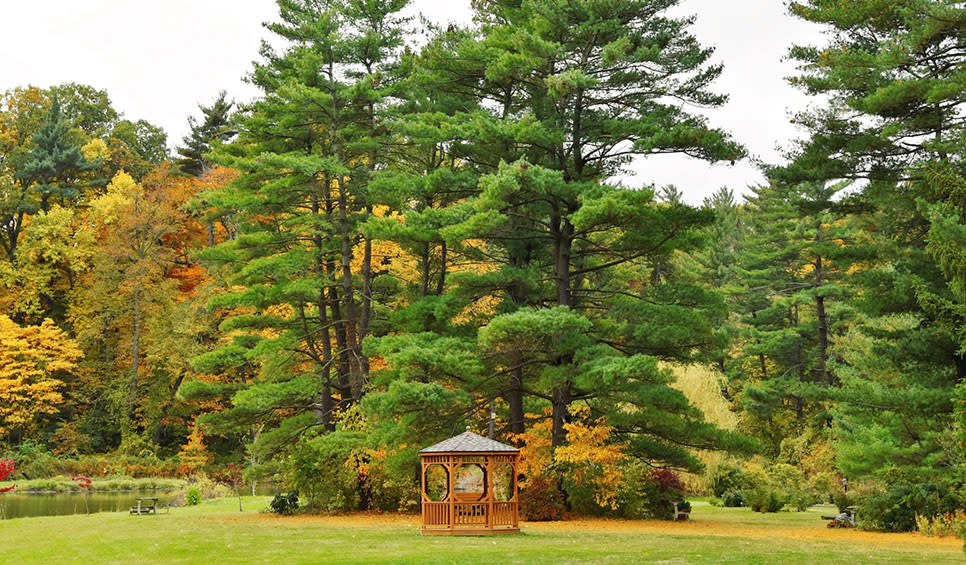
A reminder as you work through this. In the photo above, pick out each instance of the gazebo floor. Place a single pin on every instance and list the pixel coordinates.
(468, 531)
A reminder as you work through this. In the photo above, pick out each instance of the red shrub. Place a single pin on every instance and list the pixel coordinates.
(7, 468)
(541, 501)
(667, 479)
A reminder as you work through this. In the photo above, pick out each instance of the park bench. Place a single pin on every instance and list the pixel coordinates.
(848, 515)
(145, 506)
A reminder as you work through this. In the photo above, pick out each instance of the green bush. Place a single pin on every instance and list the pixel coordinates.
(791, 486)
(325, 470)
(842, 501)
(34, 461)
(725, 478)
(894, 509)
(763, 499)
(733, 499)
(770, 488)
(193, 496)
(285, 503)
(392, 481)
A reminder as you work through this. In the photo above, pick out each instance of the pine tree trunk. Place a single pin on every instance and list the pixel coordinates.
(820, 314)
(325, 405)
(424, 271)
(441, 282)
(365, 316)
(325, 372)
(563, 240)
(561, 401)
(515, 400)
(350, 307)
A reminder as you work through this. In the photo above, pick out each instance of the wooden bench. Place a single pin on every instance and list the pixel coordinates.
(145, 506)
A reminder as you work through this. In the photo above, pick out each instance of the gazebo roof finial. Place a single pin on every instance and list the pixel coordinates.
(467, 427)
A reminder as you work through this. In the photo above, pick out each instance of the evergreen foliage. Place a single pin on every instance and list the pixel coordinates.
(214, 127)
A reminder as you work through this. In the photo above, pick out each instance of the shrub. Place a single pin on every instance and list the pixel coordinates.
(541, 500)
(34, 461)
(193, 496)
(660, 491)
(825, 485)
(391, 476)
(208, 488)
(770, 489)
(895, 508)
(326, 471)
(285, 503)
(725, 478)
(842, 501)
(790, 485)
(7, 468)
(733, 499)
(763, 499)
(943, 525)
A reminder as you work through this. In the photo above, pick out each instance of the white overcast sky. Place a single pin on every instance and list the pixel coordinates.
(159, 60)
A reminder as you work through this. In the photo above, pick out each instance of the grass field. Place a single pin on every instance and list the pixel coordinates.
(217, 532)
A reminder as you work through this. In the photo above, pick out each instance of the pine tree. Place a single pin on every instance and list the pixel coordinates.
(301, 265)
(891, 73)
(563, 94)
(47, 175)
(214, 127)
(792, 303)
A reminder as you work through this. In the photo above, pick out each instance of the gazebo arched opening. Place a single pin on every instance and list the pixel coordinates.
(469, 487)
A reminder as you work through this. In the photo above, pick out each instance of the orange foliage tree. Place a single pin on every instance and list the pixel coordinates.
(135, 301)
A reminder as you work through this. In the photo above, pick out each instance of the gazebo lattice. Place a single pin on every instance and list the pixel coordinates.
(469, 487)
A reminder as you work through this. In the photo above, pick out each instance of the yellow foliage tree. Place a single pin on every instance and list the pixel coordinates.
(54, 249)
(31, 359)
(194, 454)
(589, 460)
(591, 457)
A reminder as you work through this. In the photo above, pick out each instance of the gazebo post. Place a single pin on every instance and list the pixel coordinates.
(488, 482)
(452, 491)
(516, 495)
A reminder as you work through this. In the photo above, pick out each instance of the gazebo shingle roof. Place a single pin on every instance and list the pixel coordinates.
(468, 442)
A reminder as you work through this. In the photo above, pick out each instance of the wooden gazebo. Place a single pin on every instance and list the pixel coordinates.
(469, 487)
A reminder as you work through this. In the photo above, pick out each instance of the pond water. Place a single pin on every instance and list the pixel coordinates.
(21, 505)
(24, 505)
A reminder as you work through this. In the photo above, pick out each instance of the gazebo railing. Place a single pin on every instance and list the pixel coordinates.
(470, 513)
(436, 514)
(496, 514)
(505, 514)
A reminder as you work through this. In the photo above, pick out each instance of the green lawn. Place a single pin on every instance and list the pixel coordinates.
(216, 532)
